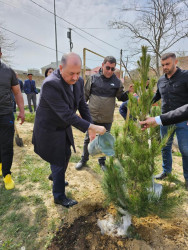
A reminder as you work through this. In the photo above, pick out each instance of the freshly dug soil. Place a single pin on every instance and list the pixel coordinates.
(150, 232)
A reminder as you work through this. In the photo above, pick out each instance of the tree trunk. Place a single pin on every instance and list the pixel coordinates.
(157, 65)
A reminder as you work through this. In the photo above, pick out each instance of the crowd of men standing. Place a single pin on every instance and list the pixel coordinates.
(63, 93)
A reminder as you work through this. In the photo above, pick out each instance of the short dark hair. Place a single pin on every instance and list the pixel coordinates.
(46, 71)
(168, 55)
(109, 59)
(29, 74)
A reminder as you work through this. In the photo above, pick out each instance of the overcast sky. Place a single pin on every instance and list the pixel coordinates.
(29, 20)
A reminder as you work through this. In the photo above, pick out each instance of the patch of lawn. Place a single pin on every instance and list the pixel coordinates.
(177, 153)
(29, 117)
(167, 202)
(36, 172)
(173, 178)
(21, 179)
(22, 217)
(75, 158)
(40, 214)
(16, 227)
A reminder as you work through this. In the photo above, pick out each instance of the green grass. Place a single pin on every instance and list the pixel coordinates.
(177, 153)
(29, 117)
(22, 217)
(33, 171)
(167, 203)
(16, 227)
(75, 158)
(25, 108)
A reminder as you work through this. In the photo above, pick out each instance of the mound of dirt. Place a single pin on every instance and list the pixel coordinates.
(80, 232)
(85, 234)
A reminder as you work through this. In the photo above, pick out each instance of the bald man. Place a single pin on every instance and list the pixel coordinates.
(61, 96)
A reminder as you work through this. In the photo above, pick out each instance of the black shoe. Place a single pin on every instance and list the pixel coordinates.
(66, 183)
(161, 176)
(186, 185)
(51, 179)
(80, 165)
(103, 167)
(66, 202)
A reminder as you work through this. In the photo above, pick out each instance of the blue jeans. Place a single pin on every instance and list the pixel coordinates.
(123, 109)
(181, 130)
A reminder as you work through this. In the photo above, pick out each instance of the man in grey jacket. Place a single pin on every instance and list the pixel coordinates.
(101, 91)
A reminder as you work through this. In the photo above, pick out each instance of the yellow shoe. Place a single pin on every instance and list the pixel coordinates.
(9, 183)
(1, 169)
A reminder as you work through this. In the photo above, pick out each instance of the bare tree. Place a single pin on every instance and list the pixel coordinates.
(159, 23)
(6, 45)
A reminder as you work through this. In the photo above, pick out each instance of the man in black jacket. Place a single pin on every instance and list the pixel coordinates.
(172, 89)
(61, 95)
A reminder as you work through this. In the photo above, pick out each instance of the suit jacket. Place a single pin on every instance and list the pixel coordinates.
(55, 115)
(21, 85)
(29, 87)
(175, 116)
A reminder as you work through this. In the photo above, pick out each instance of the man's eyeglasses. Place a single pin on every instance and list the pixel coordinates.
(108, 68)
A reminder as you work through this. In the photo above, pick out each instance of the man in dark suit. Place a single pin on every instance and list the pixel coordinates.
(61, 95)
(31, 91)
(172, 117)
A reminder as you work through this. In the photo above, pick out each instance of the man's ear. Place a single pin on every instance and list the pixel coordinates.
(60, 67)
(176, 61)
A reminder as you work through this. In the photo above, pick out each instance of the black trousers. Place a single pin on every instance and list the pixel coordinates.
(85, 154)
(58, 174)
(6, 142)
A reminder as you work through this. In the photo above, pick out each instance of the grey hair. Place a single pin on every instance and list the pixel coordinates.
(109, 59)
(66, 56)
(168, 55)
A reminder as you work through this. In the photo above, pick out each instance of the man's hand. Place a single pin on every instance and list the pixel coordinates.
(149, 122)
(95, 129)
(21, 116)
(19, 100)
